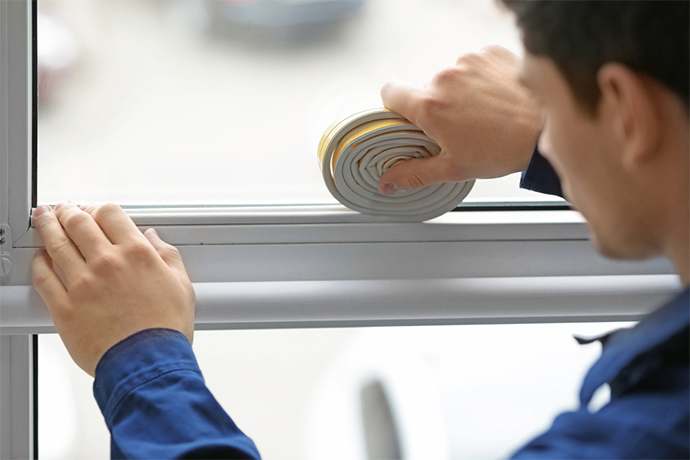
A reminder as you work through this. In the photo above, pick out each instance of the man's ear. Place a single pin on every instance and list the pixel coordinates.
(628, 101)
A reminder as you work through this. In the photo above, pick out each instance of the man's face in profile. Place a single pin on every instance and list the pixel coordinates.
(582, 149)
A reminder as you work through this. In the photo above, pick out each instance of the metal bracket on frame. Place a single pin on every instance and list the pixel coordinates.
(5, 250)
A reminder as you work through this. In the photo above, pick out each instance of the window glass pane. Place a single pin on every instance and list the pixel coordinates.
(224, 102)
(458, 391)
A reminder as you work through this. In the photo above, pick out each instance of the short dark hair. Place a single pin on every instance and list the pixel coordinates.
(579, 36)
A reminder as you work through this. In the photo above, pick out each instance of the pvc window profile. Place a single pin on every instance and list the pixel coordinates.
(303, 253)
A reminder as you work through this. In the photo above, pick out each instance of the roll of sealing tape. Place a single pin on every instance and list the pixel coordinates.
(355, 152)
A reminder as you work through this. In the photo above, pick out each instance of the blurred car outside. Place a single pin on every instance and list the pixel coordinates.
(273, 21)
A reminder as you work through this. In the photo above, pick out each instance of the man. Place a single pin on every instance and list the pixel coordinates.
(610, 80)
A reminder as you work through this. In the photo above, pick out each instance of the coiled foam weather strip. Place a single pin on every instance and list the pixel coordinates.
(355, 152)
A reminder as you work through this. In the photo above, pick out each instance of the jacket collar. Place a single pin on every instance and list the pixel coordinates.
(623, 346)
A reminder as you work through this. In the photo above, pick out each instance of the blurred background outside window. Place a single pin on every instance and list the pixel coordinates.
(425, 392)
(224, 101)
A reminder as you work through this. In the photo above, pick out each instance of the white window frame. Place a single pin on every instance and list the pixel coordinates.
(311, 266)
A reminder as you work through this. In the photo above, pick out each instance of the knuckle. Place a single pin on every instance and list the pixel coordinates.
(428, 106)
(106, 210)
(138, 251)
(73, 219)
(416, 181)
(172, 251)
(39, 277)
(61, 207)
(138, 248)
(445, 76)
(493, 49)
(105, 263)
(497, 51)
(469, 58)
(169, 253)
(61, 245)
(81, 282)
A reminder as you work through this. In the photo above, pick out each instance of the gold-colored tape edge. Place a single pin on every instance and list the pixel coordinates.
(336, 128)
(361, 131)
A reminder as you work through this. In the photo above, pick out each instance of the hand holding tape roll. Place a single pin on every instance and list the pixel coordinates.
(355, 152)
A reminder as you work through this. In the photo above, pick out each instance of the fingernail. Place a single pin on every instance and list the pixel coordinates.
(86, 207)
(153, 230)
(41, 210)
(389, 189)
(59, 205)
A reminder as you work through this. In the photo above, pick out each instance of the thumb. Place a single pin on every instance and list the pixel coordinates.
(415, 173)
(170, 255)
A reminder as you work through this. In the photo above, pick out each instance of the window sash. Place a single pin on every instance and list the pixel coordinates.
(307, 254)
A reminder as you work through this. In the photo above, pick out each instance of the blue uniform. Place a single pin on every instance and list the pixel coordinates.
(156, 404)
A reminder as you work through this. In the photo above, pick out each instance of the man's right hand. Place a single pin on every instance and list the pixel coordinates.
(482, 117)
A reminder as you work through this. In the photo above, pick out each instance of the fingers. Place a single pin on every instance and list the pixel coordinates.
(82, 229)
(170, 255)
(402, 98)
(59, 245)
(115, 223)
(500, 52)
(416, 173)
(47, 282)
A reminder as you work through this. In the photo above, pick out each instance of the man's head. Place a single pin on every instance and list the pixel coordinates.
(612, 80)
(580, 36)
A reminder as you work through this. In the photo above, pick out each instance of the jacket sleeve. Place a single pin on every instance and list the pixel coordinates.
(541, 177)
(156, 404)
